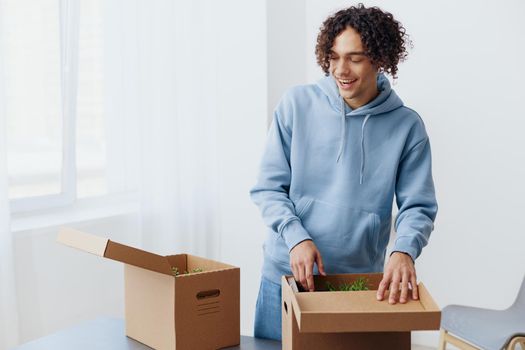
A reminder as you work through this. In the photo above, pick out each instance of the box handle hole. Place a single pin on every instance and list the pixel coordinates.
(213, 293)
(285, 307)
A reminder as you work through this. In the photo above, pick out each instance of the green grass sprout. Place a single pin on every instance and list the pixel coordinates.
(360, 283)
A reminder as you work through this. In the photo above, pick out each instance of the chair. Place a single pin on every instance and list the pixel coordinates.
(472, 328)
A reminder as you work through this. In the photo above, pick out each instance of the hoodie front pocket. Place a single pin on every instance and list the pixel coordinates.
(344, 236)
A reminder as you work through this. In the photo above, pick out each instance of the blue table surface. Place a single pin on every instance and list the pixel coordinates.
(109, 334)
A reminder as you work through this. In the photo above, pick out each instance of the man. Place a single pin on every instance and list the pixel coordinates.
(336, 154)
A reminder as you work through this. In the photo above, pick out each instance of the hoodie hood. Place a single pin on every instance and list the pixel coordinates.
(386, 101)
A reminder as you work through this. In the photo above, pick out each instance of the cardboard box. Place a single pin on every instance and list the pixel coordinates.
(189, 311)
(351, 320)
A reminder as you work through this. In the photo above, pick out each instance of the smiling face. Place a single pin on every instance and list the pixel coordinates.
(352, 70)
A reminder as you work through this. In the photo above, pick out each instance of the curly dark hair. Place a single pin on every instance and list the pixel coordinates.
(384, 38)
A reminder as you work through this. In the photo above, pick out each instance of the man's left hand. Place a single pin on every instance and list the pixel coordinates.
(399, 272)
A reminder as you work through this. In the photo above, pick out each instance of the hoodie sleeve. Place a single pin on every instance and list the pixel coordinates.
(271, 192)
(415, 198)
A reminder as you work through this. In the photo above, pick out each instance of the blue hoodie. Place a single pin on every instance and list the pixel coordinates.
(330, 173)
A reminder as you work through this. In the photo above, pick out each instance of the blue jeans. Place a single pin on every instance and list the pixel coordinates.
(268, 311)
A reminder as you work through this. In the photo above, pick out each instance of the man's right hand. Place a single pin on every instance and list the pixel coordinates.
(302, 259)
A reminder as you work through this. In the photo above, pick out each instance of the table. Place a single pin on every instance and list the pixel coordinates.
(109, 334)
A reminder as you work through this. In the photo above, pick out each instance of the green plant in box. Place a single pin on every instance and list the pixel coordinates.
(360, 283)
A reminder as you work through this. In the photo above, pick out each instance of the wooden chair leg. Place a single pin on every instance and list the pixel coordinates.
(442, 343)
(457, 342)
(515, 341)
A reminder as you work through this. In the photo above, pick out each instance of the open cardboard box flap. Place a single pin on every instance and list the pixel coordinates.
(165, 310)
(359, 311)
(112, 250)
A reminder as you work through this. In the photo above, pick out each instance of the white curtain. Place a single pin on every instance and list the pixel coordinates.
(167, 113)
(162, 103)
(8, 303)
(179, 143)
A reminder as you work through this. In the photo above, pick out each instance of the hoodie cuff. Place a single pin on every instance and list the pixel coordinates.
(294, 233)
(407, 245)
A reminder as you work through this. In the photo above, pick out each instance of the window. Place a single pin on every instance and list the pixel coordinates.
(31, 56)
(56, 110)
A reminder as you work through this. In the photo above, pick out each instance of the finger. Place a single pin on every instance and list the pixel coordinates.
(404, 288)
(320, 264)
(383, 285)
(295, 272)
(310, 278)
(415, 292)
(302, 277)
(309, 272)
(394, 289)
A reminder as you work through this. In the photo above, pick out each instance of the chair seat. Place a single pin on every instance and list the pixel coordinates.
(484, 328)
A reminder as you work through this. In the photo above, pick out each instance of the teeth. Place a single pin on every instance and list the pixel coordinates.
(346, 81)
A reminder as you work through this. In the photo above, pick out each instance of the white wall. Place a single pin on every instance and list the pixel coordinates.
(465, 77)
(58, 286)
(286, 48)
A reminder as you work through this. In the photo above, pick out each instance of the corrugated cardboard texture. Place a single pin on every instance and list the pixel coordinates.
(290, 336)
(195, 262)
(150, 306)
(351, 302)
(137, 257)
(188, 263)
(359, 311)
(293, 339)
(190, 311)
(179, 261)
(426, 299)
(83, 241)
(208, 309)
(113, 250)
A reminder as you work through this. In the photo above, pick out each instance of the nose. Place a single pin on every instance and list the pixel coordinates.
(342, 68)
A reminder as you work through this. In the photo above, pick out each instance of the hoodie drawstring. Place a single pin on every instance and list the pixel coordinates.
(343, 131)
(343, 140)
(363, 149)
